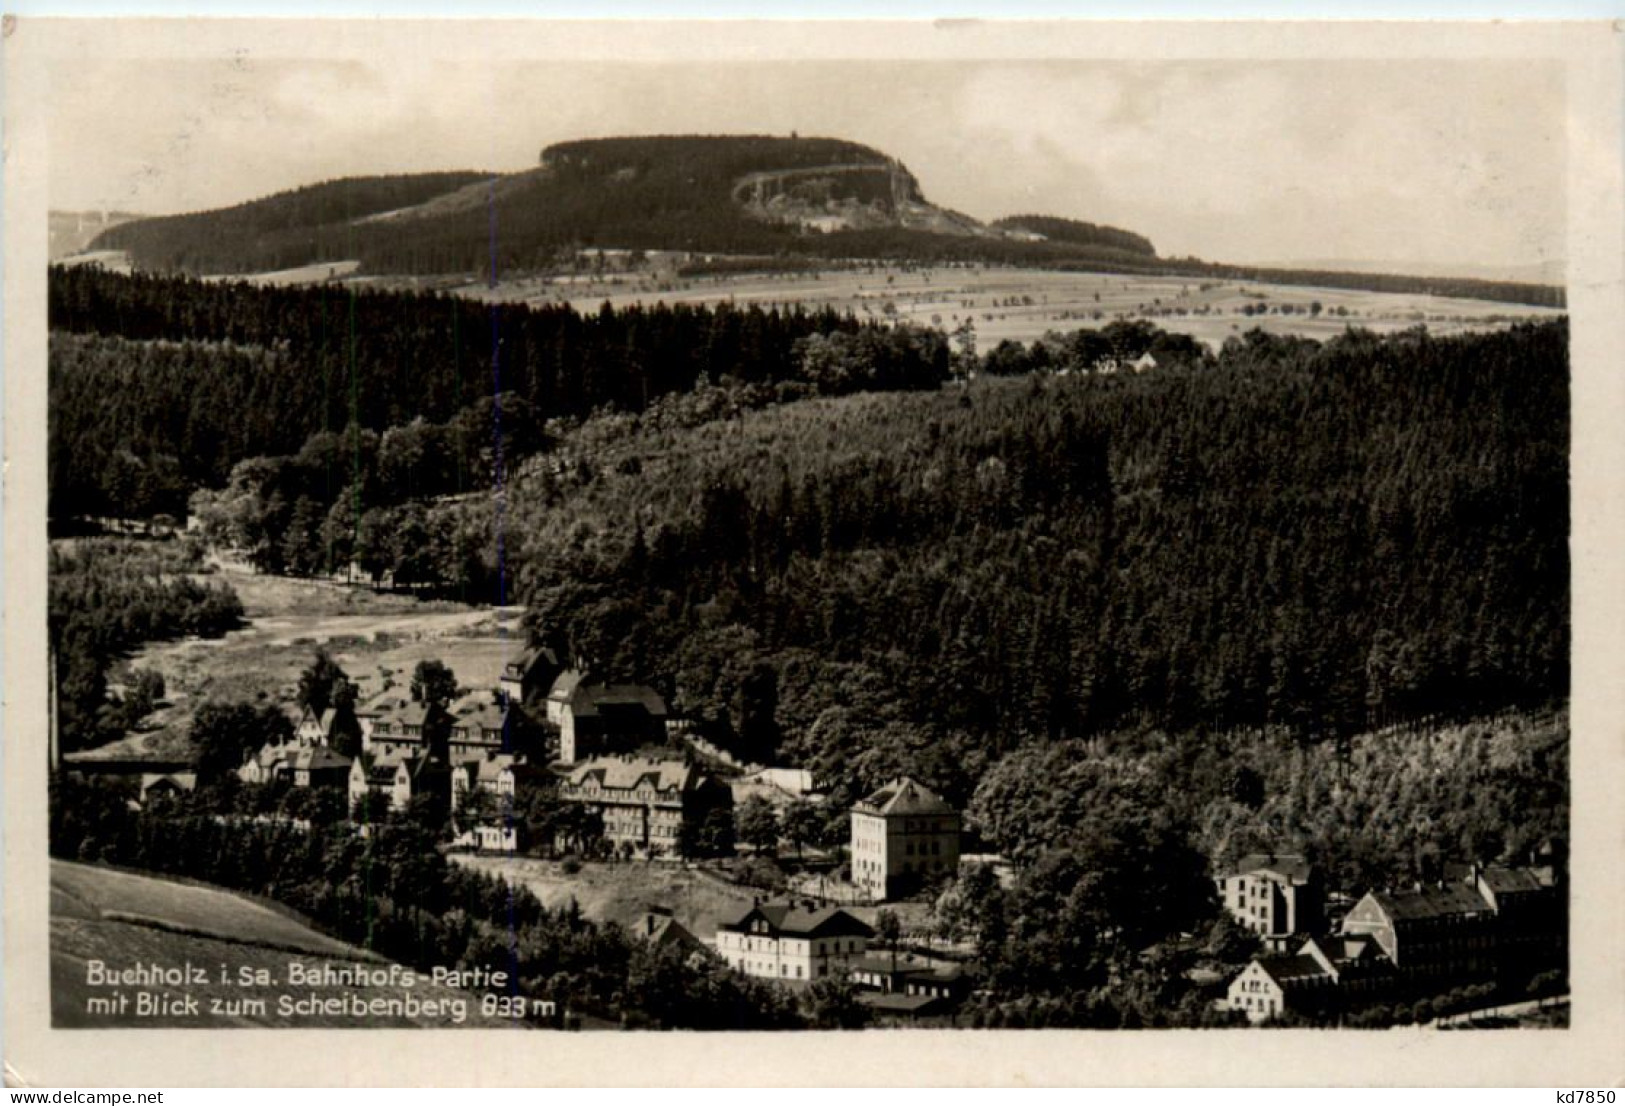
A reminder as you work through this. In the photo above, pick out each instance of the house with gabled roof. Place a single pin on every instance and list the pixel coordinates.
(267, 763)
(793, 942)
(499, 775)
(659, 927)
(333, 723)
(559, 692)
(1270, 986)
(479, 723)
(903, 836)
(394, 725)
(529, 673)
(319, 766)
(166, 784)
(399, 777)
(373, 773)
(1324, 974)
(420, 775)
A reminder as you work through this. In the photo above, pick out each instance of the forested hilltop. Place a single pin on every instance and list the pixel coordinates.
(1324, 538)
(160, 385)
(733, 194)
(783, 202)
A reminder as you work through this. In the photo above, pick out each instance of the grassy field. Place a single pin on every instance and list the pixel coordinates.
(125, 920)
(85, 892)
(621, 892)
(376, 638)
(1023, 304)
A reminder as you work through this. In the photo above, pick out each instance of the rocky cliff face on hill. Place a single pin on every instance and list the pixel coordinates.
(714, 194)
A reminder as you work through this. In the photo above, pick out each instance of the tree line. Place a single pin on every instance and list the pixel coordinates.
(282, 231)
(160, 385)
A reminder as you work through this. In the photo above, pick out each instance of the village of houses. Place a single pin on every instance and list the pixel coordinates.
(647, 782)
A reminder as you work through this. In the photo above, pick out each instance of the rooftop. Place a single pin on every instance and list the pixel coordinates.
(1425, 903)
(1503, 881)
(904, 796)
(796, 920)
(523, 661)
(565, 684)
(1292, 970)
(317, 757)
(1289, 866)
(589, 699)
(628, 773)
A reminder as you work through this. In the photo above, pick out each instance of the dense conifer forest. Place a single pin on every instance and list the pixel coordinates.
(1322, 538)
(1288, 594)
(160, 385)
(1329, 537)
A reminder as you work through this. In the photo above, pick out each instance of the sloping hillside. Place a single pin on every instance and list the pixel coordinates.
(281, 231)
(123, 921)
(721, 194)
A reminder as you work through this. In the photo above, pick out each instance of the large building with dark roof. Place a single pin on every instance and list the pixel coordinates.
(597, 719)
(792, 942)
(1494, 924)
(1446, 932)
(903, 836)
(644, 803)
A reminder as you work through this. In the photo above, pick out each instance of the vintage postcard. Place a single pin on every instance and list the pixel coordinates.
(949, 553)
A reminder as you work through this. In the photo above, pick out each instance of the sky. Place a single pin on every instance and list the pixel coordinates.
(1431, 163)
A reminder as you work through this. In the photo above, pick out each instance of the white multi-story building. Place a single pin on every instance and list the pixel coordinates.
(903, 836)
(793, 944)
(1273, 896)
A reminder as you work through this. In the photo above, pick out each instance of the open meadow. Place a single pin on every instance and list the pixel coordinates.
(1024, 304)
(623, 892)
(620, 893)
(378, 638)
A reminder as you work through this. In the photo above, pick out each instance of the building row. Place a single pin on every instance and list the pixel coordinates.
(1479, 925)
(903, 835)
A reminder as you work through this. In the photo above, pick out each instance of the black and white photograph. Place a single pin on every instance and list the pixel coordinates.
(721, 531)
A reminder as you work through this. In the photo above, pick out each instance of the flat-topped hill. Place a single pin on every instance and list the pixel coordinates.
(728, 194)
